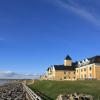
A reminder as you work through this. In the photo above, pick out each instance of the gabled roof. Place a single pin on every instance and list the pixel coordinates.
(68, 58)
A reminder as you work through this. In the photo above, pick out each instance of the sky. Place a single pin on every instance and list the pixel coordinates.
(35, 34)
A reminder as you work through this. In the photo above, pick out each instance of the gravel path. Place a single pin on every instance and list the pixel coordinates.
(12, 91)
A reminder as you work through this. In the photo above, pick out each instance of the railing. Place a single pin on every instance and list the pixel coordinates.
(30, 95)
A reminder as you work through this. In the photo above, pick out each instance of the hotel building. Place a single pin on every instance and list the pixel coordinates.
(62, 72)
(86, 69)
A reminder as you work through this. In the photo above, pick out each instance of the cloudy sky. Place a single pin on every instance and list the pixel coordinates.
(12, 75)
(35, 34)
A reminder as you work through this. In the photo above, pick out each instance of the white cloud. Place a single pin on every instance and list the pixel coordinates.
(90, 16)
(13, 75)
(81, 10)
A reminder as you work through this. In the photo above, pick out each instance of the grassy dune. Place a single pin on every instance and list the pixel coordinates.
(51, 89)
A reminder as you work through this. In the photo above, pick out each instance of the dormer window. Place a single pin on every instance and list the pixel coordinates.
(79, 63)
(87, 61)
(83, 62)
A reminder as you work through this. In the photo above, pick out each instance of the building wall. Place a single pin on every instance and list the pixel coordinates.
(51, 74)
(91, 71)
(67, 62)
(64, 75)
(77, 73)
(97, 70)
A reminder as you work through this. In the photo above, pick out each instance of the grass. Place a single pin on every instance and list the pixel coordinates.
(52, 89)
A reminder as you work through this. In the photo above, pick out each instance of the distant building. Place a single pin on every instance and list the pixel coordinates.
(62, 72)
(27, 81)
(88, 68)
(81, 70)
(43, 77)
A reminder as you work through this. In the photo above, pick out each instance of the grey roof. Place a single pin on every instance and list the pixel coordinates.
(95, 59)
(68, 58)
(67, 68)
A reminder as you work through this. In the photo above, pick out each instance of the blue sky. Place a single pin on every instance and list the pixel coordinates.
(35, 34)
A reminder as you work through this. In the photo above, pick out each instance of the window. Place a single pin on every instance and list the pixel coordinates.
(60, 78)
(77, 71)
(84, 69)
(64, 72)
(90, 75)
(85, 75)
(81, 70)
(90, 68)
(64, 77)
